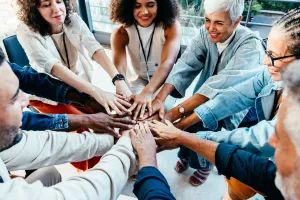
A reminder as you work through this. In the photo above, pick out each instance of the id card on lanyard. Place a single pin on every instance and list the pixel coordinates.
(147, 64)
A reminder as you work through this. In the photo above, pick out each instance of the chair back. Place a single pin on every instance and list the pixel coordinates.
(15, 51)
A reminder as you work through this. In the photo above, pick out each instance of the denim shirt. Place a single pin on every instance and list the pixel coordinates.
(258, 91)
(32, 121)
(42, 85)
(241, 61)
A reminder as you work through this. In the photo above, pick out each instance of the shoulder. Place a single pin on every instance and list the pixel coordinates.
(120, 34)
(76, 22)
(23, 31)
(174, 28)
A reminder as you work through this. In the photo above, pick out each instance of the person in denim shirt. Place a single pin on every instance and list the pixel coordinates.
(223, 54)
(262, 91)
(43, 85)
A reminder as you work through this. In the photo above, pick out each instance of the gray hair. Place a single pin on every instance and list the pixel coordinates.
(291, 78)
(234, 7)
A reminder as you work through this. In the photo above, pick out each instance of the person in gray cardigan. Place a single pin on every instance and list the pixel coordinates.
(223, 54)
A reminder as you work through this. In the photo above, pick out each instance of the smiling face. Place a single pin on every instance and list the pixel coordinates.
(145, 12)
(277, 47)
(219, 26)
(53, 12)
(12, 101)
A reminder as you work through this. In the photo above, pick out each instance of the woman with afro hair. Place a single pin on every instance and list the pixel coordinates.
(149, 35)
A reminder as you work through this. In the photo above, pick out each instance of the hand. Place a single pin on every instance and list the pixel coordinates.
(168, 134)
(109, 100)
(103, 123)
(143, 142)
(158, 106)
(123, 89)
(161, 148)
(140, 103)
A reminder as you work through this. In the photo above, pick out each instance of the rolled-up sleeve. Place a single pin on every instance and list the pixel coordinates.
(254, 139)
(232, 100)
(189, 65)
(40, 122)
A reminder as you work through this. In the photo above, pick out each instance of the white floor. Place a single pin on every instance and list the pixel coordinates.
(213, 189)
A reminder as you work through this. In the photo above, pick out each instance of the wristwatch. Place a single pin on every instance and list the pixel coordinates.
(181, 110)
(118, 77)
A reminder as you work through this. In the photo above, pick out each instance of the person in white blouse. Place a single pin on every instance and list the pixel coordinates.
(150, 34)
(58, 42)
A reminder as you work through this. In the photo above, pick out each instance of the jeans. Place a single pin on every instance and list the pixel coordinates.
(194, 161)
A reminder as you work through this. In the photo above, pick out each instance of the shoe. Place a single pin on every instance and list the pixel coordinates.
(181, 166)
(199, 177)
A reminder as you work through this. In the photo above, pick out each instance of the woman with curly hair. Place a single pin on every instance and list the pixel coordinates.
(59, 43)
(150, 34)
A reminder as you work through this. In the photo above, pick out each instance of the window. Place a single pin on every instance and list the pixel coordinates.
(263, 14)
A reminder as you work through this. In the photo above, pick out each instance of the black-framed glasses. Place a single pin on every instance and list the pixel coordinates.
(272, 59)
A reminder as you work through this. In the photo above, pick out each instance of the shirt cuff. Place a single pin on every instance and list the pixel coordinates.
(207, 91)
(180, 91)
(60, 122)
(223, 158)
(207, 117)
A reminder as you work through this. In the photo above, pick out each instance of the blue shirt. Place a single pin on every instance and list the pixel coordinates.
(42, 85)
(241, 61)
(252, 170)
(151, 184)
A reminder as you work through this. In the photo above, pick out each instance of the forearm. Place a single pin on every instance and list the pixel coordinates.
(164, 92)
(189, 105)
(207, 149)
(76, 97)
(159, 77)
(102, 59)
(72, 79)
(188, 121)
(146, 160)
(54, 148)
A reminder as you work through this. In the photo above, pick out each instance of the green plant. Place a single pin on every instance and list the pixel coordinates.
(278, 6)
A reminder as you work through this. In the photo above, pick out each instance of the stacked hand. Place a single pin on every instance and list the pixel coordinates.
(140, 103)
(111, 101)
(103, 123)
(166, 136)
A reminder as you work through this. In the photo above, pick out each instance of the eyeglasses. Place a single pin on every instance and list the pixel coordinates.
(272, 59)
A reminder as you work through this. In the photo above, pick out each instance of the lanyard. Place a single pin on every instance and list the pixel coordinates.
(149, 51)
(66, 50)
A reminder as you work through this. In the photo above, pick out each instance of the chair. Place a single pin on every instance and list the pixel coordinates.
(15, 52)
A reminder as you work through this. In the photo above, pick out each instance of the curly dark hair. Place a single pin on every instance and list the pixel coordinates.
(30, 15)
(122, 11)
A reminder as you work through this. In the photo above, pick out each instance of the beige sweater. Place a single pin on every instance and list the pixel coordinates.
(39, 149)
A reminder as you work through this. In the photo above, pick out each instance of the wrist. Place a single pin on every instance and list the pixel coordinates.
(147, 159)
(148, 90)
(179, 140)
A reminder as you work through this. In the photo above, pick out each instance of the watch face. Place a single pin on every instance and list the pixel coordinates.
(181, 109)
